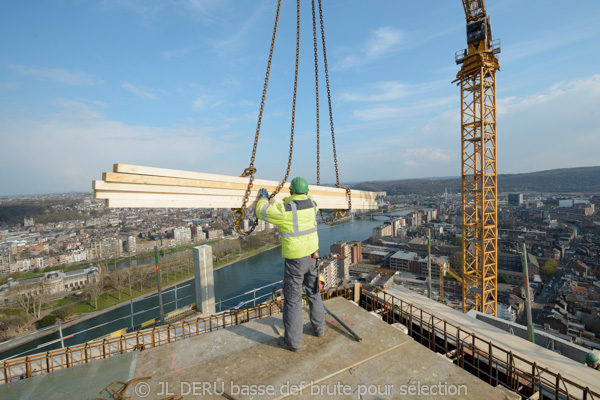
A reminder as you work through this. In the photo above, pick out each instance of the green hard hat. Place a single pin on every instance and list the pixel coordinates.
(299, 185)
(591, 358)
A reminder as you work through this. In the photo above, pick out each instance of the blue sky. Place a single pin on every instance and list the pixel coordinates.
(177, 84)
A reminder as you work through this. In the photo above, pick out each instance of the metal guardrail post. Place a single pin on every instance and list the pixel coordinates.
(6, 372)
(62, 341)
(445, 337)
(176, 307)
(158, 280)
(131, 303)
(510, 372)
(490, 362)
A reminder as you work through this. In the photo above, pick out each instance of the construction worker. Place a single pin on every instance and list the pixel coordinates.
(296, 219)
(593, 361)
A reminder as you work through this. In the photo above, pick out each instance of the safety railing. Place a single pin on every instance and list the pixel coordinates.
(483, 358)
(253, 299)
(50, 361)
(120, 321)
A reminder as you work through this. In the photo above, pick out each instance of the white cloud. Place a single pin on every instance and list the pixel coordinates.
(8, 86)
(420, 155)
(67, 150)
(60, 75)
(386, 91)
(382, 41)
(150, 10)
(557, 128)
(168, 54)
(546, 41)
(238, 39)
(391, 90)
(203, 7)
(142, 92)
(199, 104)
(393, 111)
(205, 102)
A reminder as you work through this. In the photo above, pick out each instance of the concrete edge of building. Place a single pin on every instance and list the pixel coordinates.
(542, 338)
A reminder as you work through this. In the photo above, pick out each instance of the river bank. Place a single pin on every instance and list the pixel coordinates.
(77, 318)
(232, 280)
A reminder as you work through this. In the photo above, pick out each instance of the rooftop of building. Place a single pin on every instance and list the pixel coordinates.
(245, 362)
(436, 346)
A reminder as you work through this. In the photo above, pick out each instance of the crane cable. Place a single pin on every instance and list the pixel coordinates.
(336, 213)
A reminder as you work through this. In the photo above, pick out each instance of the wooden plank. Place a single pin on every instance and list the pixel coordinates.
(213, 190)
(111, 177)
(215, 201)
(133, 186)
(126, 187)
(221, 180)
(153, 203)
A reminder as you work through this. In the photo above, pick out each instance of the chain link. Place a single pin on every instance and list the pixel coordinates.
(337, 174)
(239, 213)
(289, 164)
(316, 53)
(316, 92)
(336, 213)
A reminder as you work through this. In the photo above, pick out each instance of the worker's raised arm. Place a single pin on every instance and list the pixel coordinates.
(270, 212)
(314, 201)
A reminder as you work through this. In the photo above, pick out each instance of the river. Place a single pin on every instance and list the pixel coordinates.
(236, 279)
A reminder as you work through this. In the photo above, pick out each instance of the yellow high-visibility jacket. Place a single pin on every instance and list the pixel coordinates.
(297, 222)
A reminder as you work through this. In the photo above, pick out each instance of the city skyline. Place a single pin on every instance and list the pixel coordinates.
(177, 85)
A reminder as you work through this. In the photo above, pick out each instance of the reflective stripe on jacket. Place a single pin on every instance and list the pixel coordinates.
(297, 222)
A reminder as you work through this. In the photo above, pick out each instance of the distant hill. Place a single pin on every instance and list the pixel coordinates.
(582, 179)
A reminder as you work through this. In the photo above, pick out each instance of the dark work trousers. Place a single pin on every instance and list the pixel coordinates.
(298, 272)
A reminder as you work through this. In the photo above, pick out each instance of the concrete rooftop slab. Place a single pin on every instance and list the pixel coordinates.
(80, 382)
(570, 369)
(245, 362)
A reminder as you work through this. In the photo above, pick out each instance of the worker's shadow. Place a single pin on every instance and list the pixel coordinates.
(275, 326)
(259, 335)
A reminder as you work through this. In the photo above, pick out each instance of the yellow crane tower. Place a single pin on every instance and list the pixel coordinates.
(477, 78)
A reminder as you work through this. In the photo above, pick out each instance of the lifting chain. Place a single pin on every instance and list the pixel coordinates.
(289, 164)
(239, 213)
(336, 213)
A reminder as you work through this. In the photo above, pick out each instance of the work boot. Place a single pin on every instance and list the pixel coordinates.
(283, 344)
(318, 333)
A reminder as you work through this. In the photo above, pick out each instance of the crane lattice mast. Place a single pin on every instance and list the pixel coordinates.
(477, 78)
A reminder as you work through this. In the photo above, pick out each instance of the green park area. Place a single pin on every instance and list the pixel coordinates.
(114, 286)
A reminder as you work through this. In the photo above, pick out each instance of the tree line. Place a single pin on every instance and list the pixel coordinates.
(138, 277)
(31, 301)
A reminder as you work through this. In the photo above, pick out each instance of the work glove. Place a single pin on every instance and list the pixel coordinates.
(263, 192)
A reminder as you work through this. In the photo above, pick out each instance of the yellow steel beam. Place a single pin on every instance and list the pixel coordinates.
(479, 181)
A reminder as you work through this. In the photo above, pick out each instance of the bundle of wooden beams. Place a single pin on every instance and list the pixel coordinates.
(133, 186)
